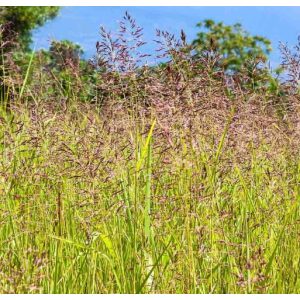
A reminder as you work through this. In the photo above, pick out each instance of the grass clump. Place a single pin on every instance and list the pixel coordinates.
(169, 180)
(89, 209)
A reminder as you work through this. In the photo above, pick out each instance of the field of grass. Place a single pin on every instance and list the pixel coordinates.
(120, 177)
(94, 204)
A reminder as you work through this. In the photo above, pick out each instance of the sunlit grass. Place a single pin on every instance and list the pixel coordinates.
(86, 209)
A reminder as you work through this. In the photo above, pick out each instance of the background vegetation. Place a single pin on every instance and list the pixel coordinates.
(120, 177)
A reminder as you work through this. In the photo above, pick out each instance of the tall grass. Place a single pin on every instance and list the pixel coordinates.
(88, 210)
(164, 183)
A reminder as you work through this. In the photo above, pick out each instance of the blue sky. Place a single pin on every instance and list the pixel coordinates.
(81, 24)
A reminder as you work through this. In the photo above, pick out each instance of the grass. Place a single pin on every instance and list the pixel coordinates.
(123, 178)
(90, 208)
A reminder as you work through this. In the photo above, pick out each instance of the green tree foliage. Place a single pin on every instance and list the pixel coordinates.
(238, 53)
(74, 75)
(235, 45)
(23, 19)
(65, 54)
(16, 25)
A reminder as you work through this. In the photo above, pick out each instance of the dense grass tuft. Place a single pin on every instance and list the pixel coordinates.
(94, 206)
(124, 178)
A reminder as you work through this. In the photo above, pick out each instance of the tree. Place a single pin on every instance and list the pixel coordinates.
(65, 54)
(16, 25)
(235, 45)
(23, 19)
(74, 75)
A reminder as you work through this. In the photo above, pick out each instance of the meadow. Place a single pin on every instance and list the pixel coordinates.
(166, 181)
